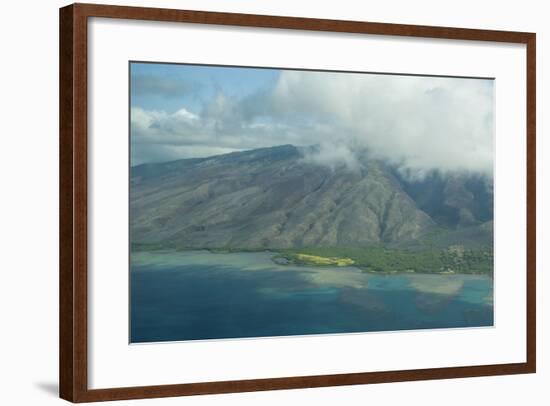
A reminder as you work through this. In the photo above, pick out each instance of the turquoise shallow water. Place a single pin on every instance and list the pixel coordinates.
(196, 295)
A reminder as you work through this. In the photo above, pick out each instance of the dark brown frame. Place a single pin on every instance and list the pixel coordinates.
(73, 361)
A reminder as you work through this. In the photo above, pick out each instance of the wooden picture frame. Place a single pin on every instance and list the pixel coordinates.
(73, 209)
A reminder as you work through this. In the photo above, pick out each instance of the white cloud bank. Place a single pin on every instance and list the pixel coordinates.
(418, 123)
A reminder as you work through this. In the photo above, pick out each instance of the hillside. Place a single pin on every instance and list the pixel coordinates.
(274, 198)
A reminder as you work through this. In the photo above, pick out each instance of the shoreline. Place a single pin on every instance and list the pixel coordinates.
(277, 255)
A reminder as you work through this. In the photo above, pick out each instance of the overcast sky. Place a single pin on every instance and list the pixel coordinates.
(419, 123)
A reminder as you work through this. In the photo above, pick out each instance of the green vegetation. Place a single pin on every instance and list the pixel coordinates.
(454, 259)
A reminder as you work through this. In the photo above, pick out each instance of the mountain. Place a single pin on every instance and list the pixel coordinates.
(276, 198)
(452, 200)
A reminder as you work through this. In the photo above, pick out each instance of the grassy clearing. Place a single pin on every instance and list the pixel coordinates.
(318, 260)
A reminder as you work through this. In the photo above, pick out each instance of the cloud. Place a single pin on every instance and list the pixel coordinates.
(417, 123)
(333, 156)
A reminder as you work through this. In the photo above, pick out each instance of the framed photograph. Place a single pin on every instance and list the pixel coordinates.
(255, 202)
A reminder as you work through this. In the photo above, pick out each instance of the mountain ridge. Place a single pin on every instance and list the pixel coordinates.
(277, 198)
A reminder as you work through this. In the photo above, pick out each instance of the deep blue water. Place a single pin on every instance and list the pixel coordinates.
(198, 295)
